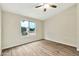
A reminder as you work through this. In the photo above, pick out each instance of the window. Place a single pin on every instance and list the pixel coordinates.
(24, 27)
(32, 27)
(27, 27)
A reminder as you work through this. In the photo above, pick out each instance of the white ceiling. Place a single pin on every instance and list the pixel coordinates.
(28, 9)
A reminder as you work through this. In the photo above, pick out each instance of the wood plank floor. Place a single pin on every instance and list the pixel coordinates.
(41, 48)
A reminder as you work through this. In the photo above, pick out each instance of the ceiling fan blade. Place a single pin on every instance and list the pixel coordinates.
(44, 9)
(54, 6)
(38, 6)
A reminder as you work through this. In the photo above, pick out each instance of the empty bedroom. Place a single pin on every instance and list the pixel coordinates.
(39, 29)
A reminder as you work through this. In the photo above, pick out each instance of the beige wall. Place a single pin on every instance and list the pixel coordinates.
(11, 30)
(0, 31)
(77, 27)
(62, 27)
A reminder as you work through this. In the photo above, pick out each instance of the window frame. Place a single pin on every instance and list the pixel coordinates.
(28, 32)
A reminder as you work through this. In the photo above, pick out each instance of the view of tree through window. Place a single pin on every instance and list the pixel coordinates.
(32, 27)
(24, 27)
(27, 27)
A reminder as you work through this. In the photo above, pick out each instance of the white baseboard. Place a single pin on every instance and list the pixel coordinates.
(20, 44)
(60, 42)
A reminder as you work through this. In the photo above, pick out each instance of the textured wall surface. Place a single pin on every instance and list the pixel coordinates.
(62, 27)
(12, 32)
(77, 27)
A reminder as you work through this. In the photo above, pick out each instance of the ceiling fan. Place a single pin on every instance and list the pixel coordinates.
(45, 5)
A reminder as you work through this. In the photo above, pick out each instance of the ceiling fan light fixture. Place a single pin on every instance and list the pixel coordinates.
(46, 6)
